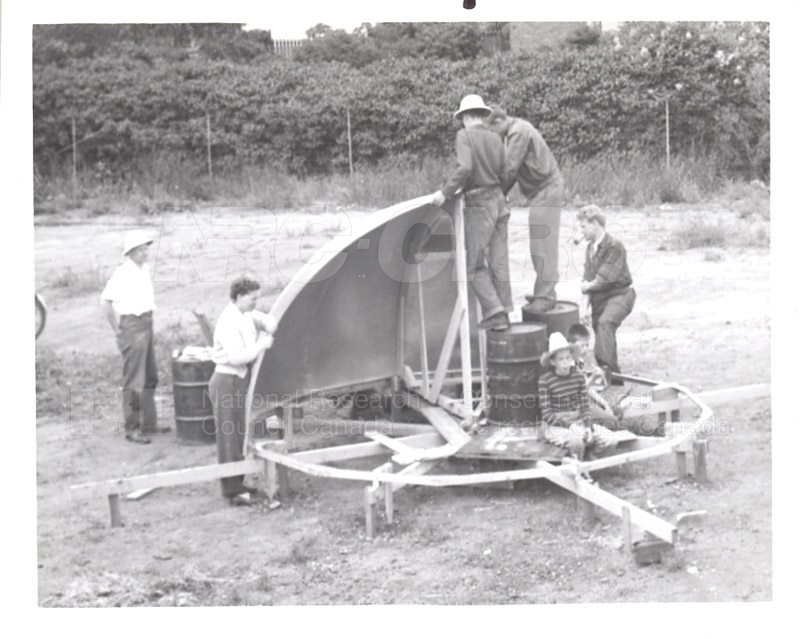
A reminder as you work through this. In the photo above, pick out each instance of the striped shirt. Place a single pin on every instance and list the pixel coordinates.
(563, 393)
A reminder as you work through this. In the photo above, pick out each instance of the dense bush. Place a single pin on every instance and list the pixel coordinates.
(137, 101)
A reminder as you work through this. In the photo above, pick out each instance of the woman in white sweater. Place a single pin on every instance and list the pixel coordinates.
(240, 335)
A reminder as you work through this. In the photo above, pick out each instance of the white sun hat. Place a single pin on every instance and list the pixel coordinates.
(133, 239)
(556, 343)
(471, 102)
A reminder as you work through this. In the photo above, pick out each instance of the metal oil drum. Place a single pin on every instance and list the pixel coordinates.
(558, 319)
(194, 411)
(513, 370)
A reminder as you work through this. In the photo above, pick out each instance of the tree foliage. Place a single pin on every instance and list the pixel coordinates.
(370, 43)
(132, 100)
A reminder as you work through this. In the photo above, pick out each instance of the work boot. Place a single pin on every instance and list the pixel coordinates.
(497, 322)
(538, 304)
(136, 438)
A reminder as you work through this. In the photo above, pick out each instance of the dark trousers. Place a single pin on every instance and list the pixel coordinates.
(139, 372)
(544, 221)
(607, 315)
(229, 394)
(486, 216)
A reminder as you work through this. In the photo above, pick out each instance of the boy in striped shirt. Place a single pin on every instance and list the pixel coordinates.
(564, 401)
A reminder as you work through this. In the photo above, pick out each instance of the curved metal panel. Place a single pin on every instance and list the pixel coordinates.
(338, 318)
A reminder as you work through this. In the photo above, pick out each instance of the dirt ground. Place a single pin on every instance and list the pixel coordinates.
(702, 318)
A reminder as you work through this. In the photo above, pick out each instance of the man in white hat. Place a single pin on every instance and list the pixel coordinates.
(531, 164)
(128, 303)
(480, 172)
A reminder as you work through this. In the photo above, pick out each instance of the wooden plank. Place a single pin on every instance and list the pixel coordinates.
(312, 425)
(366, 449)
(400, 352)
(635, 379)
(390, 443)
(700, 471)
(440, 452)
(423, 340)
(138, 494)
(319, 470)
(410, 379)
(113, 507)
(388, 504)
(271, 478)
(715, 397)
(627, 533)
(443, 422)
(663, 448)
(288, 423)
(456, 407)
(167, 478)
(588, 515)
(373, 494)
(739, 393)
(680, 462)
(481, 351)
(277, 476)
(463, 293)
(638, 517)
(417, 468)
(496, 445)
(639, 443)
(447, 350)
(369, 511)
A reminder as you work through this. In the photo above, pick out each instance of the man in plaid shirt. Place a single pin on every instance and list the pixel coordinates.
(607, 280)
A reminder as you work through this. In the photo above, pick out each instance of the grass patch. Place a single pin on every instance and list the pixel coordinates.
(86, 385)
(168, 182)
(79, 283)
(637, 180)
(696, 230)
(699, 232)
(304, 550)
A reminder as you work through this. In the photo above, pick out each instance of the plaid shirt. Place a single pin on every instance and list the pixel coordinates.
(607, 267)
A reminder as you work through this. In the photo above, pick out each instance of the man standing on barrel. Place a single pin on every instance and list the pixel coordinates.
(608, 283)
(530, 163)
(480, 174)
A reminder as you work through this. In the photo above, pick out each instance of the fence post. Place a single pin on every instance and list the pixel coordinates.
(349, 144)
(208, 145)
(667, 118)
(74, 161)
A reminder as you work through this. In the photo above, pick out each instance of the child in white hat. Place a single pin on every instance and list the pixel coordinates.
(564, 401)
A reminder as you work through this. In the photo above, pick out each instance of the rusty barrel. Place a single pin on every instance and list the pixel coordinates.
(558, 319)
(194, 412)
(513, 368)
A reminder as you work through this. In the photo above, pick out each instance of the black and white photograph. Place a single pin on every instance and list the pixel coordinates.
(363, 306)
